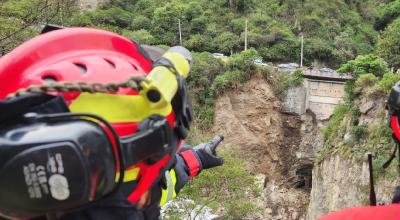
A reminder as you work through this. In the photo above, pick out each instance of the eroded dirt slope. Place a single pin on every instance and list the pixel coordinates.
(250, 117)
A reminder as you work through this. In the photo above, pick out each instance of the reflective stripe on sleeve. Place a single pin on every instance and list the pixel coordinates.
(169, 193)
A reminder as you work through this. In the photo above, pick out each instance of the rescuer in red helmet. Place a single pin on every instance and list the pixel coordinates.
(92, 128)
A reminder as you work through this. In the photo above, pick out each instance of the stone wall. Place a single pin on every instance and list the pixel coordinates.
(319, 96)
(295, 101)
(323, 96)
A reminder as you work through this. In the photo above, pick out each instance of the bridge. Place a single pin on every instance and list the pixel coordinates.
(321, 91)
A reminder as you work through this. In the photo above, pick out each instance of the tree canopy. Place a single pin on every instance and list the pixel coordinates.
(389, 44)
(335, 31)
(22, 19)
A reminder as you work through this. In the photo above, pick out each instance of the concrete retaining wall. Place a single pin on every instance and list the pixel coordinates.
(295, 101)
(319, 96)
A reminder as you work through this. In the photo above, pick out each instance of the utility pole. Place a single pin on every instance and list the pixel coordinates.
(245, 36)
(298, 24)
(180, 31)
(302, 49)
(61, 13)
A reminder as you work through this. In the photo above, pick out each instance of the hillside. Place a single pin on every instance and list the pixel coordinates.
(334, 31)
(269, 140)
(357, 127)
(285, 148)
(278, 165)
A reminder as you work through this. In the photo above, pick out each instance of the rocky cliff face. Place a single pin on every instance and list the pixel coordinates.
(337, 183)
(342, 183)
(341, 180)
(301, 179)
(278, 146)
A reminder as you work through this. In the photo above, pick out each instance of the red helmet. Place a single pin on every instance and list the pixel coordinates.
(99, 59)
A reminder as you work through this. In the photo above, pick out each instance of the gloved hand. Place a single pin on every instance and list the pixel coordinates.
(207, 153)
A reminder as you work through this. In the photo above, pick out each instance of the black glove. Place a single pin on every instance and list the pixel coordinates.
(207, 154)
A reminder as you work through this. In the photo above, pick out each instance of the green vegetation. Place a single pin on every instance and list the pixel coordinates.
(238, 185)
(387, 82)
(365, 64)
(211, 77)
(360, 36)
(21, 19)
(361, 138)
(335, 31)
(364, 69)
(359, 132)
(331, 132)
(387, 14)
(204, 70)
(238, 70)
(389, 44)
(346, 133)
(281, 82)
(364, 82)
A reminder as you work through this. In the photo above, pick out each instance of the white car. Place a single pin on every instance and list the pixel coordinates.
(288, 66)
(218, 55)
(259, 62)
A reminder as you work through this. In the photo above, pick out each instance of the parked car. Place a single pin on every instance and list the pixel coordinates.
(259, 62)
(289, 66)
(218, 55)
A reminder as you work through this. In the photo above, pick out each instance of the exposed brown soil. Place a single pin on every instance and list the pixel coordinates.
(250, 117)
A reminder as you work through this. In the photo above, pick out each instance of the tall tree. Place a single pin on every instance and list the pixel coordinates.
(22, 19)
